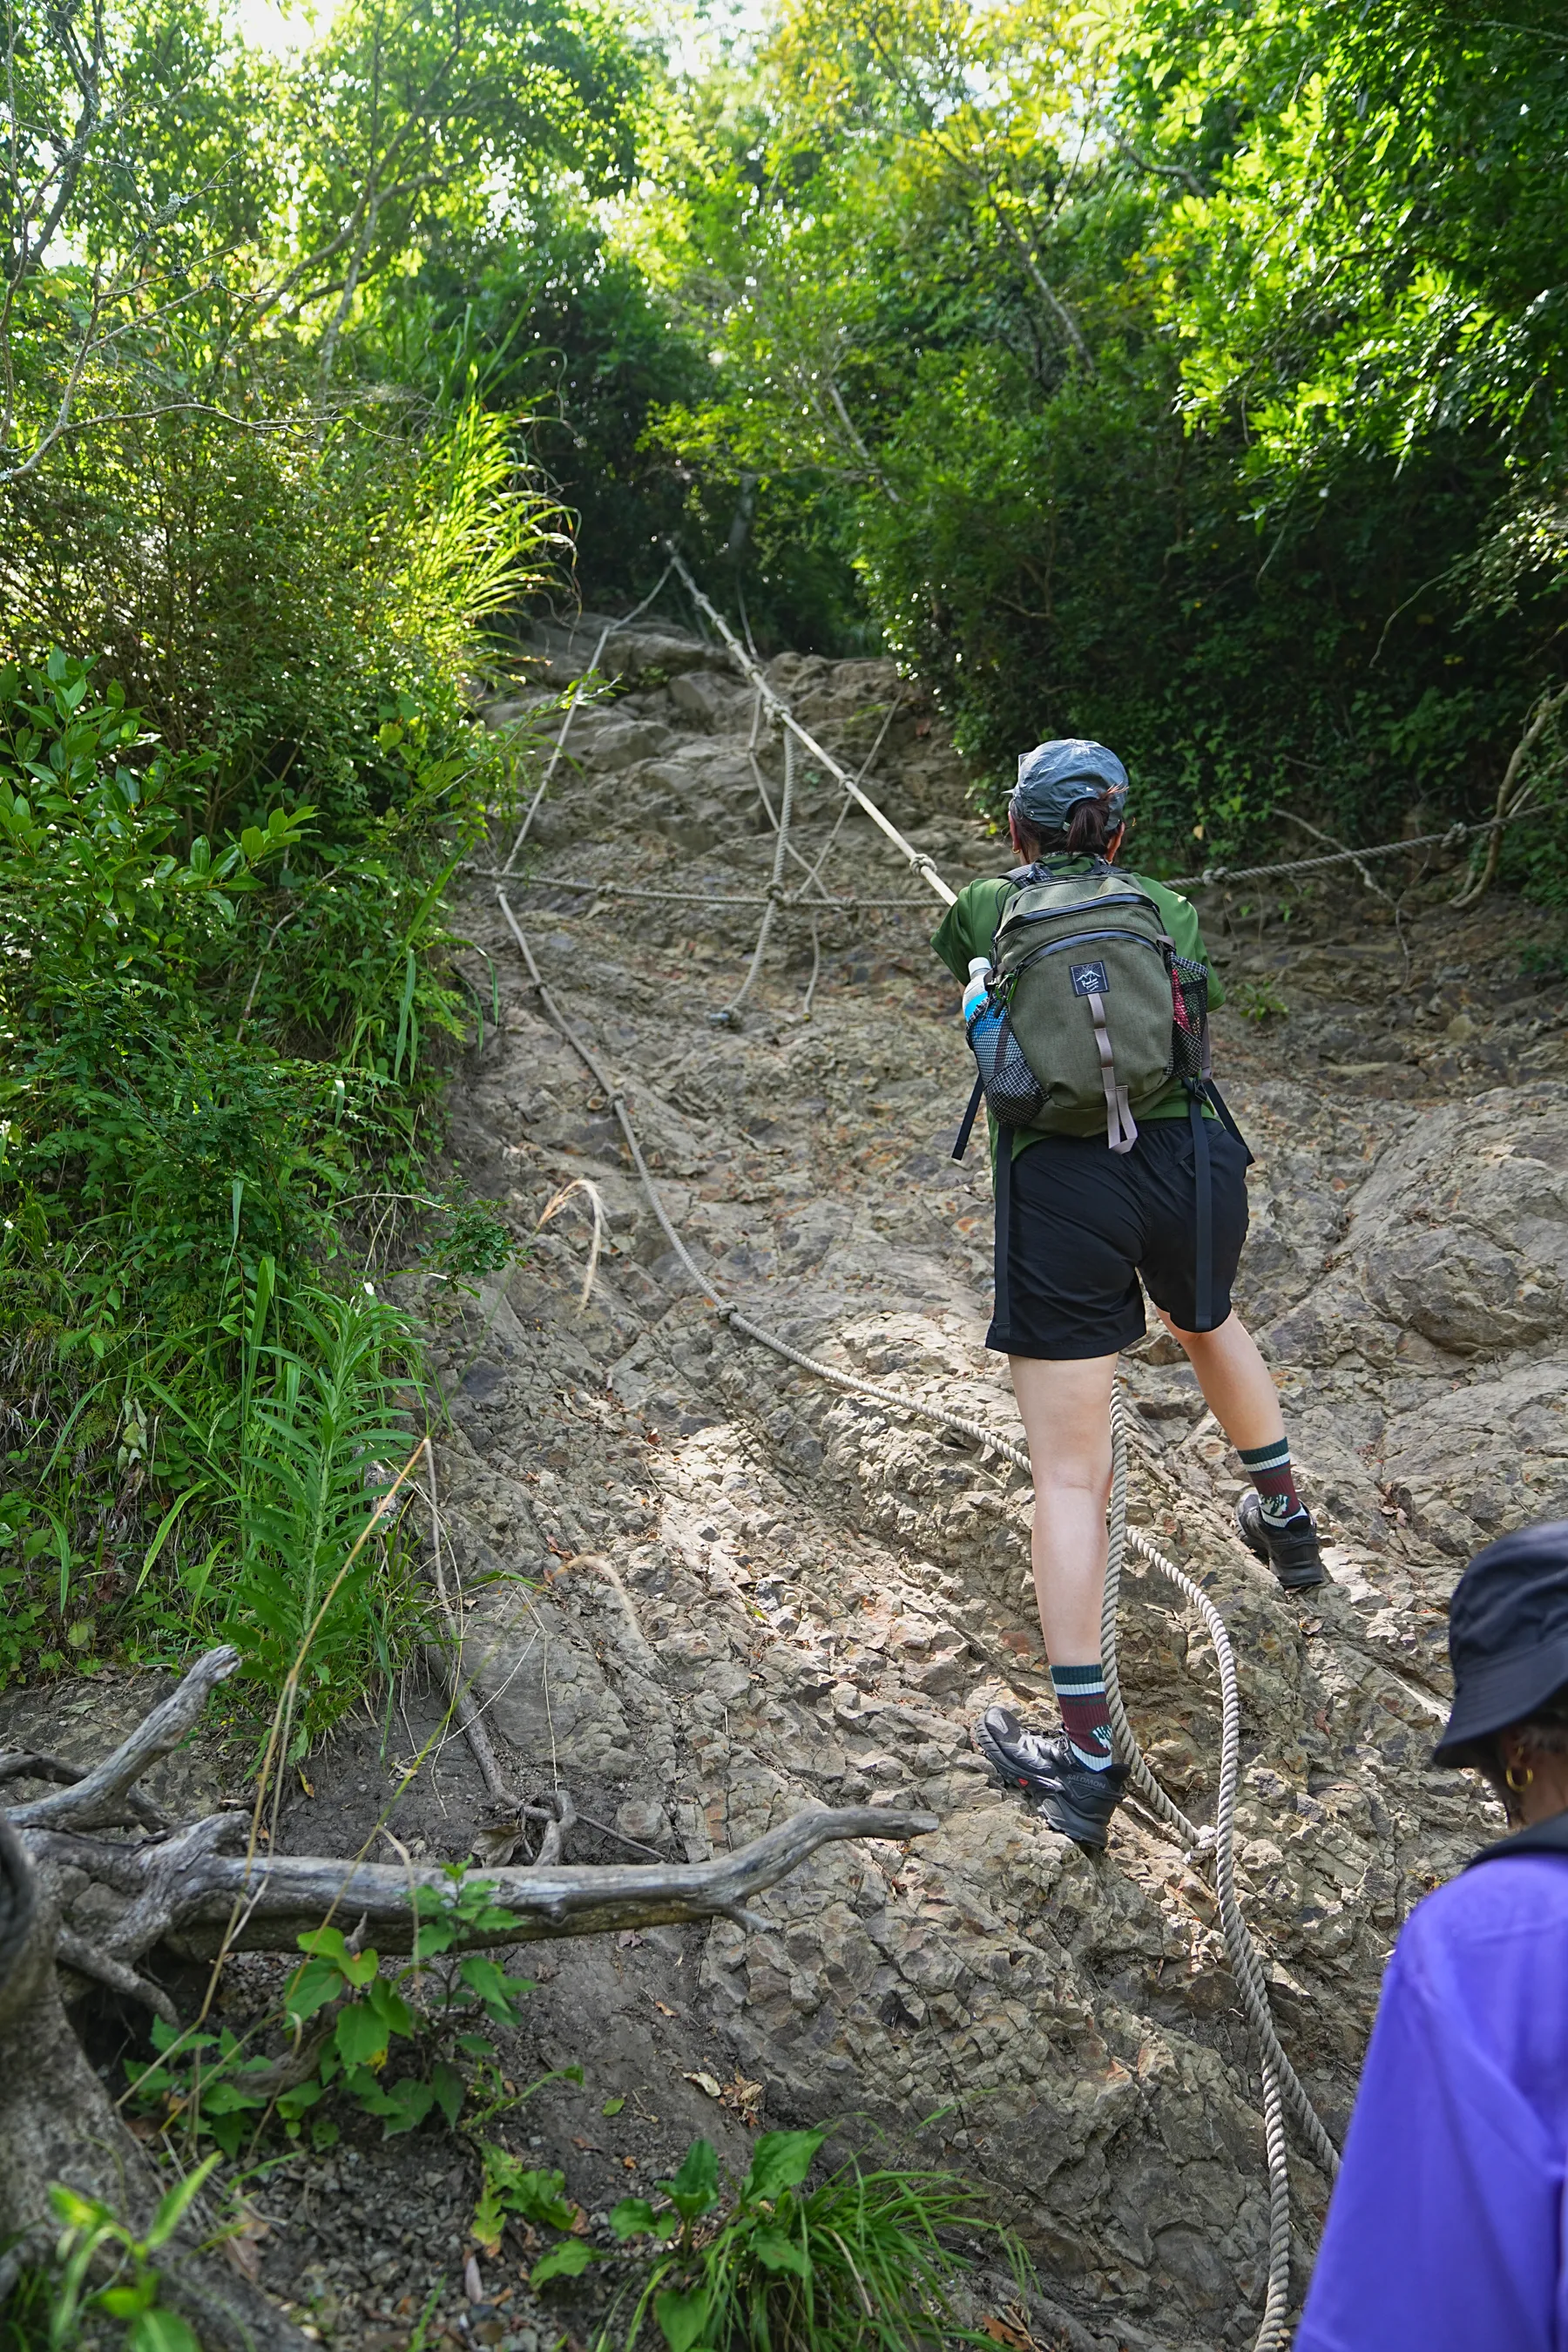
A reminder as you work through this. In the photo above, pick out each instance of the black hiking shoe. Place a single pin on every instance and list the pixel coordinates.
(1290, 1551)
(1075, 1800)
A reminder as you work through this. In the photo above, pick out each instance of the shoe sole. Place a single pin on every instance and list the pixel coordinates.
(1059, 1811)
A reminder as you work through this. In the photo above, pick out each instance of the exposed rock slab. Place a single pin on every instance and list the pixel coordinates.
(708, 1590)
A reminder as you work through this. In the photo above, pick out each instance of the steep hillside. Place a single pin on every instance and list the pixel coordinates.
(759, 1593)
(703, 1590)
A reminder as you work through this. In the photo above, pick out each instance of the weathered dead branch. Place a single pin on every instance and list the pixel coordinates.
(204, 1890)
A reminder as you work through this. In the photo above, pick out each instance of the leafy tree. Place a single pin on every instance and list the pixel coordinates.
(1169, 388)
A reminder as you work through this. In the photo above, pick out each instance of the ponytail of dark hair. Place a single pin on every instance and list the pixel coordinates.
(1090, 828)
(1088, 831)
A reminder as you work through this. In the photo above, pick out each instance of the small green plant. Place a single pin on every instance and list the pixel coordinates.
(217, 2085)
(509, 2190)
(858, 2262)
(93, 2238)
(1258, 1000)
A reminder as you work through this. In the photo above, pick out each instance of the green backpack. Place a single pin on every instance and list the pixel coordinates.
(1089, 1013)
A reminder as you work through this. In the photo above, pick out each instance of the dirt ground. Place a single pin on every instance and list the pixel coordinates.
(702, 1592)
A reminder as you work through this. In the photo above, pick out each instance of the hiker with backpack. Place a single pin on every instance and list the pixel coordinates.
(1114, 1160)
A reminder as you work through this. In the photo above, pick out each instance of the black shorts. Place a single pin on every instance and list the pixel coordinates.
(1084, 1223)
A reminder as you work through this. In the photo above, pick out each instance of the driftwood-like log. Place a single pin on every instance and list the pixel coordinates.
(100, 1799)
(193, 1898)
(198, 1891)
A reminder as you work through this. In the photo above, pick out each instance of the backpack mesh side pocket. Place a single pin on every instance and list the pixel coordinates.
(1189, 1019)
(1014, 1096)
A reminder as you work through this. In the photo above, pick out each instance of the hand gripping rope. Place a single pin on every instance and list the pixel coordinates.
(1280, 2085)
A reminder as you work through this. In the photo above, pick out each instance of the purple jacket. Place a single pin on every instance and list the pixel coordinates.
(1446, 2228)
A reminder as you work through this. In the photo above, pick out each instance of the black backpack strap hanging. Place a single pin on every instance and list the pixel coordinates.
(1002, 1312)
(1202, 1174)
(966, 1124)
(1212, 1094)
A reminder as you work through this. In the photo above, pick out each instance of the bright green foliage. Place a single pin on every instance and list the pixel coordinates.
(228, 830)
(354, 2015)
(557, 326)
(780, 2267)
(101, 2267)
(1186, 375)
(511, 2189)
(207, 1413)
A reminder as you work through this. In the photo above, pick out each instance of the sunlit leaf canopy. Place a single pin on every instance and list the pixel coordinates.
(1186, 374)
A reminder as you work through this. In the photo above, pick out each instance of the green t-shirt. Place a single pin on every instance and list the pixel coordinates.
(969, 926)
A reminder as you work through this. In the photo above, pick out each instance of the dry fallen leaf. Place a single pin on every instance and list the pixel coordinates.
(707, 2083)
(243, 2243)
(743, 2099)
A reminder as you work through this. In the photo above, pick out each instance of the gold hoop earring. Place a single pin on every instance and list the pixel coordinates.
(1519, 1777)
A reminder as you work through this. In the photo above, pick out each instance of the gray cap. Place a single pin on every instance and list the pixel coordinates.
(1508, 1636)
(1054, 777)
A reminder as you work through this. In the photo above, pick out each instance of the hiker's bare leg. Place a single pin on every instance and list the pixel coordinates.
(1065, 1412)
(1236, 1383)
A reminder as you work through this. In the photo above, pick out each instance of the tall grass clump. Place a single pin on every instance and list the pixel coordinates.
(863, 2261)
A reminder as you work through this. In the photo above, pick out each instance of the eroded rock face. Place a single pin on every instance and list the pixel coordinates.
(708, 1590)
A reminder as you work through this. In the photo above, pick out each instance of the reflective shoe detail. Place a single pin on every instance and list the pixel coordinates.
(1075, 1800)
(1290, 1551)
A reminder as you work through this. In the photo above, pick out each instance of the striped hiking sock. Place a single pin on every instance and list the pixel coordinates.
(1086, 1718)
(1269, 1467)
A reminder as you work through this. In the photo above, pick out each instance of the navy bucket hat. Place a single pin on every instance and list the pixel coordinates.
(1508, 1636)
(1054, 777)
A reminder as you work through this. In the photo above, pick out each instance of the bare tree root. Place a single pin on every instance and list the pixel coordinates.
(201, 1891)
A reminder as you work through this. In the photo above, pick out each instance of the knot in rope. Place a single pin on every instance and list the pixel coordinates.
(1453, 835)
(1213, 872)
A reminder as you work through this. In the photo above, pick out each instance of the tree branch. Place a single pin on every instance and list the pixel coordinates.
(1510, 803)
(1189, 180)
(99, 1799)
(189, 1893)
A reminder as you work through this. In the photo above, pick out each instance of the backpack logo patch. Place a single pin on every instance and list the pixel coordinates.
(1089, 979)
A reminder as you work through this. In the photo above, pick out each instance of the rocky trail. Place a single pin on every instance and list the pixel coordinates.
(702, 1590)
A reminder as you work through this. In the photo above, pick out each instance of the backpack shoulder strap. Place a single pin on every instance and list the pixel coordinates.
(1017, 878)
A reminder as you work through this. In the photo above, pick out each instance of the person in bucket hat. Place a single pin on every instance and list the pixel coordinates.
(1449, 2227)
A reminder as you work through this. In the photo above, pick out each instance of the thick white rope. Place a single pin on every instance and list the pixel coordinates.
(1449, 839)
(781, 823)
(790, 899)
(1280, 2083)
